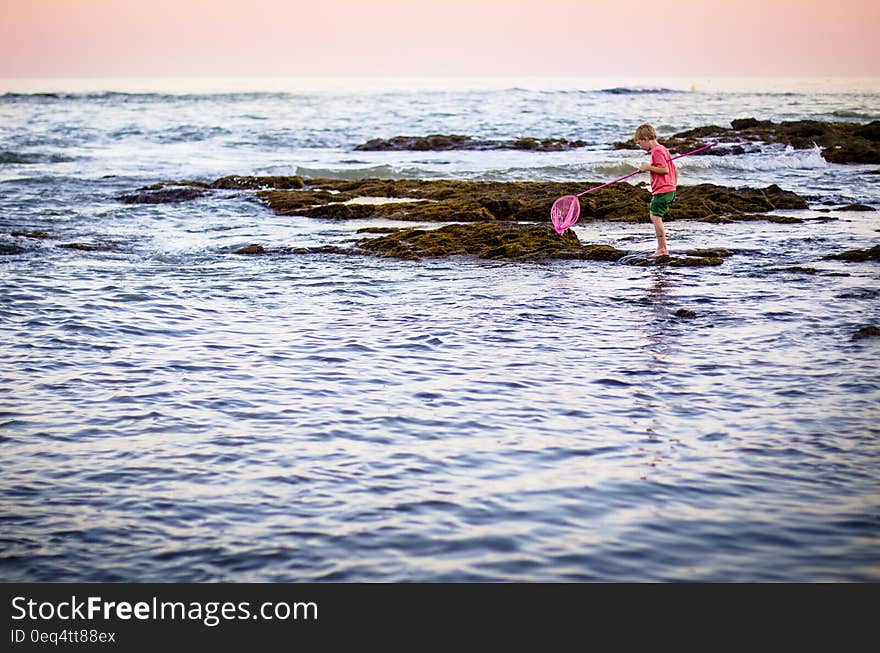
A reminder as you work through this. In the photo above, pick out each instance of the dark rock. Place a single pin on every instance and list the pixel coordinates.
(544, 144)
(856, 207)
(254, 250)
(857, 255)
(458, 201)
(490, 240)
(644, 260)
(236, 182)
(871, 131)
(39, 235)
(250, 249)
(798, 269)
(749, 123)
(323, 249)
(292, 203)
(683, 312)
(840, 142)
(162, 195)
(89, 247)
(443, 142)
(437, 142)
(751, 217)
(708, 253)
(866, 332)
(710, 201)
(8, 249)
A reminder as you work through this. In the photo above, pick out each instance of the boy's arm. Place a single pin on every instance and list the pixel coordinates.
(657, 170)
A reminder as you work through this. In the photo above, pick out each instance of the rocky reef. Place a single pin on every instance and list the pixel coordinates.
(491, 240)
(472, 201)
(441, 142)
(183, 191)
(492, 220)
(839, 142)
(448, 200)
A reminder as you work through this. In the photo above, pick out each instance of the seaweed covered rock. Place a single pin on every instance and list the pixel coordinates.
(237, 182)
(839, 142)
(705, 201)
(691, 258)
(857, 255)
(442, 142)
(472, 201)
(516, 242)
(489, 240)
(255, 249)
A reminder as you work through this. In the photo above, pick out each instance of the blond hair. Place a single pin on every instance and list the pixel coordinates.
(645, 131)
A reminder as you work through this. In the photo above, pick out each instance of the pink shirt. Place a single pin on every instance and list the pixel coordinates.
(661, 158)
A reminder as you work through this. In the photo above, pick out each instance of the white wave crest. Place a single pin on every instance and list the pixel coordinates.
(786, 159)
(371, 172)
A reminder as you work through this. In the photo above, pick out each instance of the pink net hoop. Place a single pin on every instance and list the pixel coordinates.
(564, 212)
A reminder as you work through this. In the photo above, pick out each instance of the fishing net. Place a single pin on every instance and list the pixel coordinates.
(564, 212)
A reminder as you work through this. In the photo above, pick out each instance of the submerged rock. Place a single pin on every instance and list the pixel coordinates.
(37, 235)
(250, 249)
(866, 332)
(90, 247)
(258, 250)
(11, 248)
(857, 255)
(686, 260)
(165, 194)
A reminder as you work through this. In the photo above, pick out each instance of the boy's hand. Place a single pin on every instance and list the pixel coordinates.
(644, 167)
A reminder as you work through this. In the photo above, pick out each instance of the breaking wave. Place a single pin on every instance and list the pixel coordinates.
(854, 114)
(636, 90)
(377, 172)
(787, 159)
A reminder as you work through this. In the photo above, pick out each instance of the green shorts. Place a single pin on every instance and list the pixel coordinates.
(661, 202)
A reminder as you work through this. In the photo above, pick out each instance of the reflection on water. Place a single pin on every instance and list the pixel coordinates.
(430, 421)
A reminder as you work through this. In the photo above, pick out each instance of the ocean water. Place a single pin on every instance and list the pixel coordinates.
(171, 413)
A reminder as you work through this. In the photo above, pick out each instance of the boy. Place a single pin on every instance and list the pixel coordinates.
(664, 179)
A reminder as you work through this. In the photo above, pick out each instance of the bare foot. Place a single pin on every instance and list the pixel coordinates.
(659, 253)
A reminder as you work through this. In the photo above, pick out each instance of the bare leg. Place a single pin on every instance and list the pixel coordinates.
(660, 232)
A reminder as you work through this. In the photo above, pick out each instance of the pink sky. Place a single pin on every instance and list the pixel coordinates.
(268, 38)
